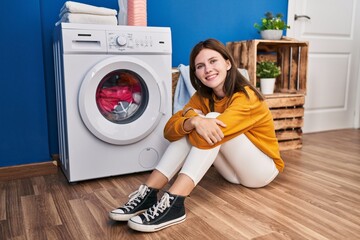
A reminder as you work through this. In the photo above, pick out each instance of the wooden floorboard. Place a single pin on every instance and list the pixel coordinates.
(316, 197)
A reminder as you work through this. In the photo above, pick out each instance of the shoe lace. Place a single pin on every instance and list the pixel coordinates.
(158, 208)
(136, 197)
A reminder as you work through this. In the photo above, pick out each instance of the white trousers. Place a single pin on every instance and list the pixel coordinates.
(238, 160)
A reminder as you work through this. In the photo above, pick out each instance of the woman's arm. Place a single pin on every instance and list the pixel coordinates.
(241, 115)
(174, 128)
(208, 128)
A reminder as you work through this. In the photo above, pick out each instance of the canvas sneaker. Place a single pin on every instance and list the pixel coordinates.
(168, 211)
(139, 201)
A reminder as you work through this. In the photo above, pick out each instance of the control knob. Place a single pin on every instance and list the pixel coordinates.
(121, 40)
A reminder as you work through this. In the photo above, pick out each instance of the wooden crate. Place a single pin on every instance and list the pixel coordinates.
(290, 55)
(175, 78)
(288, 114)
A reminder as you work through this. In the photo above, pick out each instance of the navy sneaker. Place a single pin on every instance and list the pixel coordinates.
(170, 210)
(139, 202)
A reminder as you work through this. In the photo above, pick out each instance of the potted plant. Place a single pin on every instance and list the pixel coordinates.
(267, 71)
(271, 27)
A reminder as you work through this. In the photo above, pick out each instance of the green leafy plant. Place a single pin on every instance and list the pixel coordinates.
(271, 22)
(267, 69)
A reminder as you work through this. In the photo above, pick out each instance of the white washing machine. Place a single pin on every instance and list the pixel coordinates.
(113, 91)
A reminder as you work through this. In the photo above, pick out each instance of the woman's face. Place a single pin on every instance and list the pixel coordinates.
(211, 69)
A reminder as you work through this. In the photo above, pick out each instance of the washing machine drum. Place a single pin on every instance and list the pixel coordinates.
(121, 100)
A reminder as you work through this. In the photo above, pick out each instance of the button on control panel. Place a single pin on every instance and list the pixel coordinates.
(121, 40)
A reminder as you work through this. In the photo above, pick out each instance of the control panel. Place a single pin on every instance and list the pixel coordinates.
(119, 41)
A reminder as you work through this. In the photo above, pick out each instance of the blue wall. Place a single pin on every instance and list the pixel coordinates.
(23, 121)
(28, 119)
(196, 20)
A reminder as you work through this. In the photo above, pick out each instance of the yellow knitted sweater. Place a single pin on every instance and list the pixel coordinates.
(240, 114)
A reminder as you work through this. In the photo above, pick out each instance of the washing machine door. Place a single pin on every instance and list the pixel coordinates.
(121, 100)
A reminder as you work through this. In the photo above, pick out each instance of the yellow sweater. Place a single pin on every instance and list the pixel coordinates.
(241, 115)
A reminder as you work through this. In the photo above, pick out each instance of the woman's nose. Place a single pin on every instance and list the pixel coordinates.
(208, 68)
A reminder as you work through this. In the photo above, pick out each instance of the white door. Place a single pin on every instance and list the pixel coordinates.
(333, 83)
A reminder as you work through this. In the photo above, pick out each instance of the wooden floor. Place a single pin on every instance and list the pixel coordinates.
(316, 197)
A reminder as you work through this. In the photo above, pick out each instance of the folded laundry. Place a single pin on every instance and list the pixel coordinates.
(75, 7)
(87, 18)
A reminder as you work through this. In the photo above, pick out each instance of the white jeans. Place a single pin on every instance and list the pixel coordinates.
(238, 160)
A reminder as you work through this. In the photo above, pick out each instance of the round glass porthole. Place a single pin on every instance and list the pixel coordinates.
(122, 96)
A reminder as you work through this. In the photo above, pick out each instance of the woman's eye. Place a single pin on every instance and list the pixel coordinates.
(212, 61)
(199, 67)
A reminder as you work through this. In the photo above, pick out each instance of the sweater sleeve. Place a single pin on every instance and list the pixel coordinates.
(174, 128)
(240, 115)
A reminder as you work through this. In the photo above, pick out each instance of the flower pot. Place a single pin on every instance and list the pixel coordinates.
(267, 85)
(271, 34)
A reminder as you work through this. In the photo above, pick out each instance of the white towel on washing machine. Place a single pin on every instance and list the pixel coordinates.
(75, 7)
(88, 18)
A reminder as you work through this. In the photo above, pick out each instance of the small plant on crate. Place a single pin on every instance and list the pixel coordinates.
(271, 27)
(267, 71)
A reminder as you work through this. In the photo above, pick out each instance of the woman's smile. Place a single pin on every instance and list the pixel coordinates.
(211, 77)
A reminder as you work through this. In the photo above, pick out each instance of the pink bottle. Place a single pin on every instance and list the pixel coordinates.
(137, 14)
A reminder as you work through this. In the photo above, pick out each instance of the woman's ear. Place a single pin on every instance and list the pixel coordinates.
(228, 65)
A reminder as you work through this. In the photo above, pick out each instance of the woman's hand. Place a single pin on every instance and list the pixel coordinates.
(207, 128)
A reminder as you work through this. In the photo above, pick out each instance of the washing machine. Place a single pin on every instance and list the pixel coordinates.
(113, 95)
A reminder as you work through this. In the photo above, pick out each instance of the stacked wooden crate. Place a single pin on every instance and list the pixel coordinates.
(175, 78)
(287, 103)
(288, 114)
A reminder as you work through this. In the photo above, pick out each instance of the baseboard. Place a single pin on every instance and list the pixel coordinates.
(28, 170)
